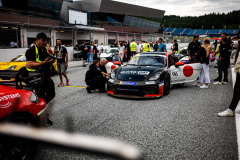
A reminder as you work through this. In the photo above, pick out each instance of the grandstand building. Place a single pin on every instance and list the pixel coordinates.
(107, 21)
(170, 32)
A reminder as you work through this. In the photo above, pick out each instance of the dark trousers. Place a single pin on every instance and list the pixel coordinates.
(97, 83)
(222, 67)
(236, 94)
(47, 90)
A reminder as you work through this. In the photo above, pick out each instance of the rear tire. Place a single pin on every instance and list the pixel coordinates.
(13, 148)
(167, 85)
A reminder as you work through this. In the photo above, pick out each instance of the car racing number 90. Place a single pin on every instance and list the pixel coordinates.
(175, 73)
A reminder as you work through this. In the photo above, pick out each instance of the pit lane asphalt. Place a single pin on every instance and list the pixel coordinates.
(182, 125)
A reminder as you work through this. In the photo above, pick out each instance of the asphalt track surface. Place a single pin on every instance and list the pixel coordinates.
(182, 125)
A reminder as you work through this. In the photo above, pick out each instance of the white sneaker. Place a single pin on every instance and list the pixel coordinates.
(218, 82)
(224, 82)
(226, 113)
(204, 86)
(196, 84)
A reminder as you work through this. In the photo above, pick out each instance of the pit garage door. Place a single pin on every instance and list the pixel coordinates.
(122, 37)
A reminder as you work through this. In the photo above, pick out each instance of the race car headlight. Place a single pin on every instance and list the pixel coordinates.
(113, 75)
(34, 98)
(11, 68)
(155, 76)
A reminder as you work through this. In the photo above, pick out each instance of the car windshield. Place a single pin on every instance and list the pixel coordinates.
(148, 60)
(112, 51)
(19, 58)
(182, 51)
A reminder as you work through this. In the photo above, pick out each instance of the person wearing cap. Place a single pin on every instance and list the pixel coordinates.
(133, 48)
(192, 49)
(39, 60)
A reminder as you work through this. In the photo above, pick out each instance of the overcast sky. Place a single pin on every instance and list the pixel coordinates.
(188, 7)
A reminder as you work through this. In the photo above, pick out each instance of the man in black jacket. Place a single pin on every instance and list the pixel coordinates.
(224, 61)
(95, 78)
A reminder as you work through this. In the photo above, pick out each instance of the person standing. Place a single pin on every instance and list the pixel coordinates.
(62, 64)
(95, 51)
(175, 47)
(204, 54)
(101, 48)
(49, 49)
(121, 51)
(155, 47)
(84, 50)
(192, 49)
(138, 48)
(133, 48)
(12, 44)
(37, 58)
(224, 61)
(236, 93)
(161, 46)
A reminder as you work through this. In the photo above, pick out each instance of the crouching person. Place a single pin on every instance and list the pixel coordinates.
(95, 78)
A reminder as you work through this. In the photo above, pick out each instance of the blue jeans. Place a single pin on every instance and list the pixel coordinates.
(88, 57)
(91, 57)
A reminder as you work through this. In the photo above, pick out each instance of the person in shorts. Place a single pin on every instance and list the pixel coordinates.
(61, 53)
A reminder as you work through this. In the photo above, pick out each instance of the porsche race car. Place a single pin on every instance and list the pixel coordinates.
(150, 75)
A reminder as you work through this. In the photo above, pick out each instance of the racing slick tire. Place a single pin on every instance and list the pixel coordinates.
(12, 149)
(167, 85)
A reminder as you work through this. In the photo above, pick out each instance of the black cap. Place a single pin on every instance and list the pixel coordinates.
(196, 36)
(42, 35)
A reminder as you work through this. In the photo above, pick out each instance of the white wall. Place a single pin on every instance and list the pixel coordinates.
(98, 36)
(8, 54)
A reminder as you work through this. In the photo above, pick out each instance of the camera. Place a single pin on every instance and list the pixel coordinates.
(50, 57)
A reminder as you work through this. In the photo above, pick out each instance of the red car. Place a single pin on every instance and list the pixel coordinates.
(18, 104)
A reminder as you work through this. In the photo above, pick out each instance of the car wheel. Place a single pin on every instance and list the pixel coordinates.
(167, 85)
(14, 149)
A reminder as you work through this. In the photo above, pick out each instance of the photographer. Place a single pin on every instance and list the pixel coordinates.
(39, 60)
(62, 64)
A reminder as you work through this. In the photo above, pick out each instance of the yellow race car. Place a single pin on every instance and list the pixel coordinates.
(19, 62)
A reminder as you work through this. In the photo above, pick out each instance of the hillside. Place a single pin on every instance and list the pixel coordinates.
(231, 20)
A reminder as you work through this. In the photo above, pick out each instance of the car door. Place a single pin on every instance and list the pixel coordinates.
(185, 73)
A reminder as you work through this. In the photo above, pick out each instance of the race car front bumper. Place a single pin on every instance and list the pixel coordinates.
(129, 89)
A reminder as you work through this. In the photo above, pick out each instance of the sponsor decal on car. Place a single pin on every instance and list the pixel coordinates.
(150, 82)
(8, 97)
(180, 80)
(140, 73)
(110, 80)
(128, 83)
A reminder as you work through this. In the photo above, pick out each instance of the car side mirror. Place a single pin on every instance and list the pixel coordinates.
(179, 64)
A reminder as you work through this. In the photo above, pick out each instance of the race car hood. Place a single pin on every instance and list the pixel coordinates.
(5, 65)
(136, 73)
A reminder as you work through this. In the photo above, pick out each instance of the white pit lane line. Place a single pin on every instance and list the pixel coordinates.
(237, 116)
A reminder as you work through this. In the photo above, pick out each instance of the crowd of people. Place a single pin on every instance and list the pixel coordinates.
(38, 59)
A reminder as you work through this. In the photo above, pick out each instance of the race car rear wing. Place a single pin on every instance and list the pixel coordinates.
(30, 79)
